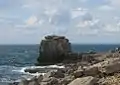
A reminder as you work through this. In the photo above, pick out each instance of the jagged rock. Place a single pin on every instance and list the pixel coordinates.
(66, 80)
(111, 65)
(53, 50)
(49, 81)
(78, 73)
(56, 74)
(110, 80)
(91, 71)
(84, 81)
(87, 57)
(24, 82)
(33, 83)
(39, 78)
(48, 74)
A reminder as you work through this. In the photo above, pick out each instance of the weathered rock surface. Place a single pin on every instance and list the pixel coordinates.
(53, 49)
(49, 81)
(78, 73)
(84, 81)
(110, 80)
(91, 71)
(66, 80)
(110, 66)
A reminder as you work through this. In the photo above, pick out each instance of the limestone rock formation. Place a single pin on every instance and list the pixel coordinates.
(84, 81)
(53, 49)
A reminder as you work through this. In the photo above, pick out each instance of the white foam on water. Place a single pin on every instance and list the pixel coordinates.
(49, 66)
(55, 66)
(21, 71)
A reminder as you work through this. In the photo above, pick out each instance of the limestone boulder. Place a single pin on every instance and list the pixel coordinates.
(49, 81)
(78, 73)
(84, 81)
(66, 80)
(110, 66)
(56, 74)
(91, 71)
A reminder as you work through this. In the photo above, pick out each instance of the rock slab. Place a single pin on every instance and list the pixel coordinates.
(84, 81)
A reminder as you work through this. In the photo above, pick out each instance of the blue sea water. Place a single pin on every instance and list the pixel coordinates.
(14, 58)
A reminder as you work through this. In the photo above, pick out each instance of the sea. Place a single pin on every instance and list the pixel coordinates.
(15, 58)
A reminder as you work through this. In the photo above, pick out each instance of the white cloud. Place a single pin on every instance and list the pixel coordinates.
(78, 12)
(31, 21)
(67, 17)
(115, 3)
(106, 8)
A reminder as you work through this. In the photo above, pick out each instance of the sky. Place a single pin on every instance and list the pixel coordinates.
(81, 21)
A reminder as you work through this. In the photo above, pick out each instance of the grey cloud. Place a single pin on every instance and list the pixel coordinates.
(63, 18)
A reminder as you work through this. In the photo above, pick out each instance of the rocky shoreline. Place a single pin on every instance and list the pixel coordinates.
(90, 68)
(105, 70)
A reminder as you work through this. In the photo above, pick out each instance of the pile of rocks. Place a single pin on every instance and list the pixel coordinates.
(103, 72)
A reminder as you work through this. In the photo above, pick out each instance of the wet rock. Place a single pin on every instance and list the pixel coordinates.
(84, 81)
(32, 70)
(48, 74)
(58, 74)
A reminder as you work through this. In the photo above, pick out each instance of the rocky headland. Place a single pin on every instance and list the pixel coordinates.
(89, 68)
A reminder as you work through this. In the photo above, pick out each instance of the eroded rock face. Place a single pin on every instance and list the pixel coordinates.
(110, 66)
(49, 81)
(53, 49)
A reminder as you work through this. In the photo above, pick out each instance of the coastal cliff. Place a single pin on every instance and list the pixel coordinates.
(89, 68)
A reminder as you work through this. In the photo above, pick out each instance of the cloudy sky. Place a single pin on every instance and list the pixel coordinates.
(82, 21)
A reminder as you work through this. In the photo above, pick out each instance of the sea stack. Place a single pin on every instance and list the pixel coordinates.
(53, 49)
